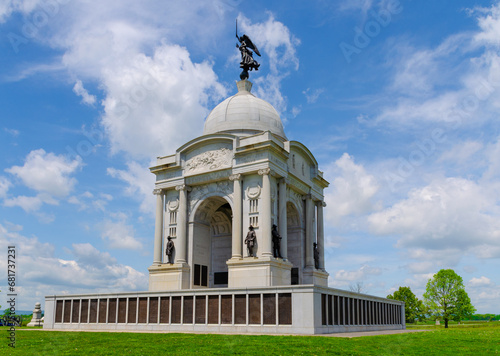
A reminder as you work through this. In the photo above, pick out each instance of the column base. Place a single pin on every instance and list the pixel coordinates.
(314, 276)
(258, 272)
(168, 277)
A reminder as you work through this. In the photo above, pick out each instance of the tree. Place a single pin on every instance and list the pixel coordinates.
(446, 297)
(358, 287)
(414, 308)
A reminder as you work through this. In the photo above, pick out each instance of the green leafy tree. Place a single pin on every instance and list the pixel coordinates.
(414, 308)
(446, 297)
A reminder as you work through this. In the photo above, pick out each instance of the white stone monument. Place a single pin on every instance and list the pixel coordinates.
(242, 172)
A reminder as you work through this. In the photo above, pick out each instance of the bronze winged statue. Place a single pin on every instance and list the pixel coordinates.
(246, 47)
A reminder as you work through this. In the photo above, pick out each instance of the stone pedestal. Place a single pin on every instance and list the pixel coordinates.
(315, 277)
(165, 277)
(36, 320)
(258, 272)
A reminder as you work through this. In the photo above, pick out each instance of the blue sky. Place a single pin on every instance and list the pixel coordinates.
(398, 101)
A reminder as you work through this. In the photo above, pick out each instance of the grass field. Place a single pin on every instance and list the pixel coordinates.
(474, 339)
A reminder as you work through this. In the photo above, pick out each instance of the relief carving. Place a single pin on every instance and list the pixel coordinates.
(253, 192)
(210, 160)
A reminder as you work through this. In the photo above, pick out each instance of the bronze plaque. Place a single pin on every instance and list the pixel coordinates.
(112, 311)
(143, 310)
(176, 310)
(285, 309)
(269, 309)
(213, 309)
(187, 317)
(122, 310)
(67, 311)
(153, 310)
(59, 310)
(164, 310)
(240, 309)
(200, 309)
(85, 311)
(93, 311)
(254, 308)
(226, 307)
(132, 311)
(75, 315)
(335, 310)
(103, 305)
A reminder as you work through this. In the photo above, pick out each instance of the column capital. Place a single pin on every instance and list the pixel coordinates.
(321, 203)
(265, 171)
(183, 187)
(307, 196)
(157, 191)
(234, 177)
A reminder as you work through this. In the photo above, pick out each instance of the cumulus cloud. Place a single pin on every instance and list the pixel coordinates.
(140, 183)
(119, 235)
(43, 273)
(357, 275)
(47, 173)
(351, 191)
(481, 281)
(453, 214)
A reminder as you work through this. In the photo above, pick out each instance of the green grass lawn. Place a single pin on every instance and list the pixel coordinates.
(461, 340)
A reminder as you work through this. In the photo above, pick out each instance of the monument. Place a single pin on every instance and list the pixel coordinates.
(239, 239)
(36, 320)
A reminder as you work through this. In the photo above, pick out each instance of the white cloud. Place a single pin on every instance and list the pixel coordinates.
(119, 235)
(5, 184)
(351, 191)
(30, 204)
(450, 214)
(312, 95)
(47, 173)
(81, 91)
(43, 273)
(140, 184)
(481, 281)
(358, 275)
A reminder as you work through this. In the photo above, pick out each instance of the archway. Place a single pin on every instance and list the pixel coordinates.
(211, 234)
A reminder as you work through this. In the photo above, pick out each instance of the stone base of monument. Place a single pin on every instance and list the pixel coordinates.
(299, 309)
(253, 272)
(167, 277)
(315, 277)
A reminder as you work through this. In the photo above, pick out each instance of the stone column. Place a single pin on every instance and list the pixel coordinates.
(283, 218)
(181, 243)
(160, 197)
(237, 216)
(309, 232)
(321, 234)
(265, 214)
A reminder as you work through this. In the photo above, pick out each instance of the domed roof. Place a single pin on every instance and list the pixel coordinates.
(244, 114)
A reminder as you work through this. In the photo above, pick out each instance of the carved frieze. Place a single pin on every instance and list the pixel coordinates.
(209, 160)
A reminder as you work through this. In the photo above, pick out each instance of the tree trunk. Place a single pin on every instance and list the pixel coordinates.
(446, 323)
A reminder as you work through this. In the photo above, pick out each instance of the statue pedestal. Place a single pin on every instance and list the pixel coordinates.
(258, 272)
(315, 276)
(168, 277)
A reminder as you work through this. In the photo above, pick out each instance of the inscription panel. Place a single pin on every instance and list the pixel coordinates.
(85, 311)
(254, 308)
(112, 311)
(153, 310)
(213, 309)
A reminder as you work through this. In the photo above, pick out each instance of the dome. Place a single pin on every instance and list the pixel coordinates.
(244, 114)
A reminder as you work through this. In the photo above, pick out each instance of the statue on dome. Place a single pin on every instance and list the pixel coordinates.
(246, 47)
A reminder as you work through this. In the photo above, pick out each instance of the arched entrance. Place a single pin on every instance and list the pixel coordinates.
(295, 233)
(211, 246)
